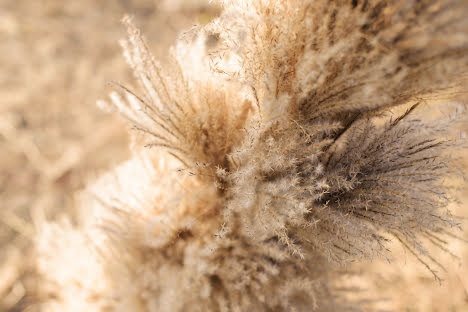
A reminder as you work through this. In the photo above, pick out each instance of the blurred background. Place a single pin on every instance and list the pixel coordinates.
(57, 58)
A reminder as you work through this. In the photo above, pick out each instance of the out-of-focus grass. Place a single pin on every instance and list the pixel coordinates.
(56, 58)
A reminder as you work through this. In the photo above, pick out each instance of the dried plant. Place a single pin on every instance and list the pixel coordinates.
(273, 155)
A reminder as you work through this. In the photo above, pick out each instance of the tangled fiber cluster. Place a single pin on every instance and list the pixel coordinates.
(283, 140)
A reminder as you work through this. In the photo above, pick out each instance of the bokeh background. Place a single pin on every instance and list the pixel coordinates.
(57, 58)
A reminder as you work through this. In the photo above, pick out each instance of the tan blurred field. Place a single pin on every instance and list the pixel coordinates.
(57, 58)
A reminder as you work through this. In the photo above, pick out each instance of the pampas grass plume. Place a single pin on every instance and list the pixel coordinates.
(281, 142)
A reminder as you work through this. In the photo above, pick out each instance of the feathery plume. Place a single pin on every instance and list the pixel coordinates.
(274, 157)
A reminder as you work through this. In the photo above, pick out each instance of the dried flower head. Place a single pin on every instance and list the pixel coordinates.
(275, 154)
